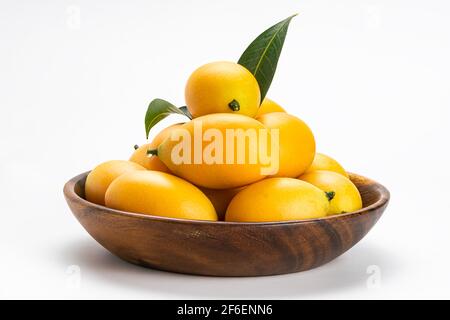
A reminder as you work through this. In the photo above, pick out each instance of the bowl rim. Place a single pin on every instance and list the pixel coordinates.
(72, 196)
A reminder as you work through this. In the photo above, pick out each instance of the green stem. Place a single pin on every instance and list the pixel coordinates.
(330, 195)
(234, 105)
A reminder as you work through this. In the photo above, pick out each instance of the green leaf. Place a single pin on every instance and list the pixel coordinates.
(159, 109)
(261, 56)
(186, 112)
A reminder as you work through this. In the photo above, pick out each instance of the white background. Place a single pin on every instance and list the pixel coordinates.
(370, 77)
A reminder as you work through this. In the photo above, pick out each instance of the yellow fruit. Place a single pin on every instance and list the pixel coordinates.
(101, 177)
(221, 198)
(149, 162)
(278, 199)
(140, 156)
(346, 195)
(296, 143)
(269, 106)
(199, 151)
(160, 194)
(324, 162)
(220, 87)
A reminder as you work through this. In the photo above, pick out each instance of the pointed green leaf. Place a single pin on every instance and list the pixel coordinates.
(186, 111)
(158, 109)
(261, 56)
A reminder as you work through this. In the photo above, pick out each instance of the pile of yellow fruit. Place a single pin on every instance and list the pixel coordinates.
(222, 96)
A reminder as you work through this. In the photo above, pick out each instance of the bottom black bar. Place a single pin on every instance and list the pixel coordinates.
(225, 309)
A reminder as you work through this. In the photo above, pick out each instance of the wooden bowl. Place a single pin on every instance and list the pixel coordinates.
(226, 248)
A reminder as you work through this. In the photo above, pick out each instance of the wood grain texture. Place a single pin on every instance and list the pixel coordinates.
(227, 248)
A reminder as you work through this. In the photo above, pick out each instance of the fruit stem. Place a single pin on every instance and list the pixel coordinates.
(153, 152)
(330, 195)
(136, 147)
(234, 105)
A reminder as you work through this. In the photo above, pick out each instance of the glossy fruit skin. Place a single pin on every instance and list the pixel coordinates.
(160, 194)
(99, 179)
(324, 162)
(269, 106)
(346, 198)
(297, 146)
(215, 176)
(277, 199)
(221, 198)
(213, 86)
(140, 156)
